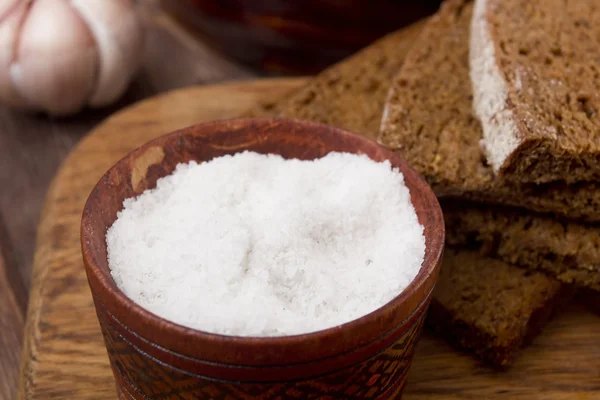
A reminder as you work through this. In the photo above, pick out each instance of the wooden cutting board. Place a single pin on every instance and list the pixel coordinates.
(64, 353)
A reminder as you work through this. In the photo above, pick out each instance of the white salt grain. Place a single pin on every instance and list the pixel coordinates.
(255, 245)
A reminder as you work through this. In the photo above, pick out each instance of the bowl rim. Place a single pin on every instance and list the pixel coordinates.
(431, 261)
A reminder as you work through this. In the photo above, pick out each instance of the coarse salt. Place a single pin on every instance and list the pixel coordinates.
(256, 245)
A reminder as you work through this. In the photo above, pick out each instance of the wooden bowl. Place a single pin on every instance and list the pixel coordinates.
(154, 358)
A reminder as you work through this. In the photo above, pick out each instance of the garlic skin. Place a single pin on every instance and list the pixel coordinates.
(117, 49)
(12, 15)
(60, 56)
(55, 65)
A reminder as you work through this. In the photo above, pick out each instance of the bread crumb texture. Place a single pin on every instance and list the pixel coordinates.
(567, 251)
(430, 121)
(547, 55)
(490, 307)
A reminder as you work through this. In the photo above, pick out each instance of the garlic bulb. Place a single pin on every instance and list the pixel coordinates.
(60, 56)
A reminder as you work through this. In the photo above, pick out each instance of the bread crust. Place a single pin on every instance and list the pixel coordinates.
(536, 87)
(430, 120)
(489, 307)
(567, 251)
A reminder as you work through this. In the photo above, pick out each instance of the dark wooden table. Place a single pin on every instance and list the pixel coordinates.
(33, 146)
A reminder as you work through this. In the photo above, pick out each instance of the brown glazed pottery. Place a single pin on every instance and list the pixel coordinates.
(154, 358)
(295, 36)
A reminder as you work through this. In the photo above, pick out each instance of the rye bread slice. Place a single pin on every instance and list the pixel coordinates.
(340, 96)
(489, 307)
(350, 94)
(429, 119)
(567, 251)
(536, 83)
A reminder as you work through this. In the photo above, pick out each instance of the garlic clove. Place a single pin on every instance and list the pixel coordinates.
(55, 67)
(12, 15)
(6, 7)
(119, 36)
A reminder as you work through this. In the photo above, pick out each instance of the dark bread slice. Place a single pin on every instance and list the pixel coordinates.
(567, 251)
(350, 94)
(489, 307)
(536, 84)
(429, 119)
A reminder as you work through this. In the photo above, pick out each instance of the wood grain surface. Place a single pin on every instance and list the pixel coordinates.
(11, 323)
(64, 353)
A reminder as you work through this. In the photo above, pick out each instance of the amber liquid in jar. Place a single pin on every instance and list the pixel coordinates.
(295, 36)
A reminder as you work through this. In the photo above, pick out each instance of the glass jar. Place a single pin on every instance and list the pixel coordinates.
(295, 36)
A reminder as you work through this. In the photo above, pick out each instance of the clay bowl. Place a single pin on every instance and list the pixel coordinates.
(154, 358)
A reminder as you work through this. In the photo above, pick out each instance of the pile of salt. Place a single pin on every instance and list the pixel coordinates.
(255, 245)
